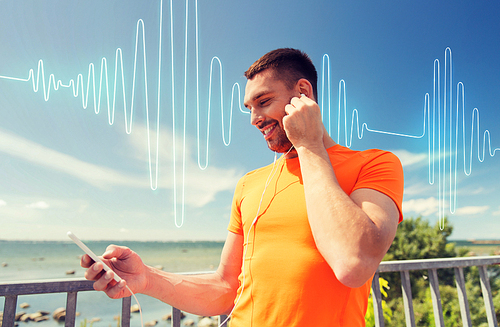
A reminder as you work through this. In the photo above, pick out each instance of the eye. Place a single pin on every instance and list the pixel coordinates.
(264, 102)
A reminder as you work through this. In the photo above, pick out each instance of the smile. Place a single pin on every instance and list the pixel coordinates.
(268, 131)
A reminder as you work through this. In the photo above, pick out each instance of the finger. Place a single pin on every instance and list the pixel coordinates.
(306, 100)
(116, 291)
(94, 272)
(298, 103)
(289, 108)
(111, 251)
(86, 261)
(114, 251)
(104, 281)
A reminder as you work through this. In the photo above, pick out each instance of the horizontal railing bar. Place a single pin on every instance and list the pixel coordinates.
(56, 286)
(440, 263)
(43, 287)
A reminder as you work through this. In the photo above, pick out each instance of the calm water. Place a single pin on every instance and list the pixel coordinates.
(50, 260)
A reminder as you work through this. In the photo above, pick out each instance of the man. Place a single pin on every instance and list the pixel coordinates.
(306, 233)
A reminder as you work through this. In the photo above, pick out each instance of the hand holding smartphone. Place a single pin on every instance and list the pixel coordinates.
(91, 254)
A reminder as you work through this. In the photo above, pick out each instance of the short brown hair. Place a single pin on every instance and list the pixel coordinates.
(288, 65)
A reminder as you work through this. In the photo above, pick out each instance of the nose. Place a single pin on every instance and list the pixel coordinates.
(256, 117)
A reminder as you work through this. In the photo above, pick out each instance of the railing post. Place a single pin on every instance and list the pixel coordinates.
(69, 320)
(9, 314)
(488, 300)
(378, 312)
(462, 297)
(222, 320)
(407, 298)
(126, 303)
(176, 317)
(436, 298)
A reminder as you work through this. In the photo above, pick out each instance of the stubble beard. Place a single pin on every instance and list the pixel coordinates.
(280, 142)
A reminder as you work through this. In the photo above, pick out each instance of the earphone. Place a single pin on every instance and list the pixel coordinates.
(274, 170)
(268, 181)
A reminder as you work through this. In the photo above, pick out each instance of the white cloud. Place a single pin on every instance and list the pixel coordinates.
(496, 213)
(471, 210)
(419, 188)
(22, 210)
(3, 203)
(408, 158)
(38, 205)
(424, 207)
(201, 186)
(93, 174)
(479, 190)
(204, 185)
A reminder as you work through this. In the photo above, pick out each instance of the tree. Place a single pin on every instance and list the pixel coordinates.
(370, 316)
(417, 239)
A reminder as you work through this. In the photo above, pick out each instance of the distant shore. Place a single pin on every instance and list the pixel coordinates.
(59, 260)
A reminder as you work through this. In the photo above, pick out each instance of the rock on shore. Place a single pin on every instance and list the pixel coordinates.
(134, 308)
(36, 317)
(59, 314)
(207, 322)
(168, 317)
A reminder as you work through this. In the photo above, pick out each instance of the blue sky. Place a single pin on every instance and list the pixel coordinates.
(67, 164)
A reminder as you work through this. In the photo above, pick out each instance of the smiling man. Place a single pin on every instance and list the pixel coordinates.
(306, 233)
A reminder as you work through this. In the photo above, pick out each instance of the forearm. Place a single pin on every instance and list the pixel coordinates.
(345, 235)
(206, 294)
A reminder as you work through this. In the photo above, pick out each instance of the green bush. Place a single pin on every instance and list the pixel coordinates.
(417, 239)
(370, 316)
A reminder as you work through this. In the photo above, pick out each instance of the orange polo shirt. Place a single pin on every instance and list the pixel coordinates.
(285, 281)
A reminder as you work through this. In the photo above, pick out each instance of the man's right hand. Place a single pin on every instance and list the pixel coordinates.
(125, 263)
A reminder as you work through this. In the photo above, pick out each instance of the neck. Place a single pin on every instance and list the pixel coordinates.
(291, 153)
(328, 142)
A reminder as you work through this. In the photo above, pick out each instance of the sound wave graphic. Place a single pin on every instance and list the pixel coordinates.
(438, 115)
(80, 90)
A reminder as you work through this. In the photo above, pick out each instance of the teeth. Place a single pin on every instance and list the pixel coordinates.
(267, 130)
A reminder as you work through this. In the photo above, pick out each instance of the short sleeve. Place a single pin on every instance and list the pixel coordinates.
(235, 222)
(384, 173)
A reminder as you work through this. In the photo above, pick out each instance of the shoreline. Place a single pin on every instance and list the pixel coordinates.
(45, 261)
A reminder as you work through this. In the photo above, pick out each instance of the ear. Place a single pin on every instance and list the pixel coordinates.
(303, 86)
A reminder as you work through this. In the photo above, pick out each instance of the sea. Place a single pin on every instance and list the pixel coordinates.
(22, 261)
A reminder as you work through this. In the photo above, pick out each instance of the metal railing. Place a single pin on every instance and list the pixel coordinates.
(432, 265)
(11, 291)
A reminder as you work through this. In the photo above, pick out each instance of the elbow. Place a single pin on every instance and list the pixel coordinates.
(228, 302)
(354, 269)
(230, 287)
(355, 272)
(353, 280)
